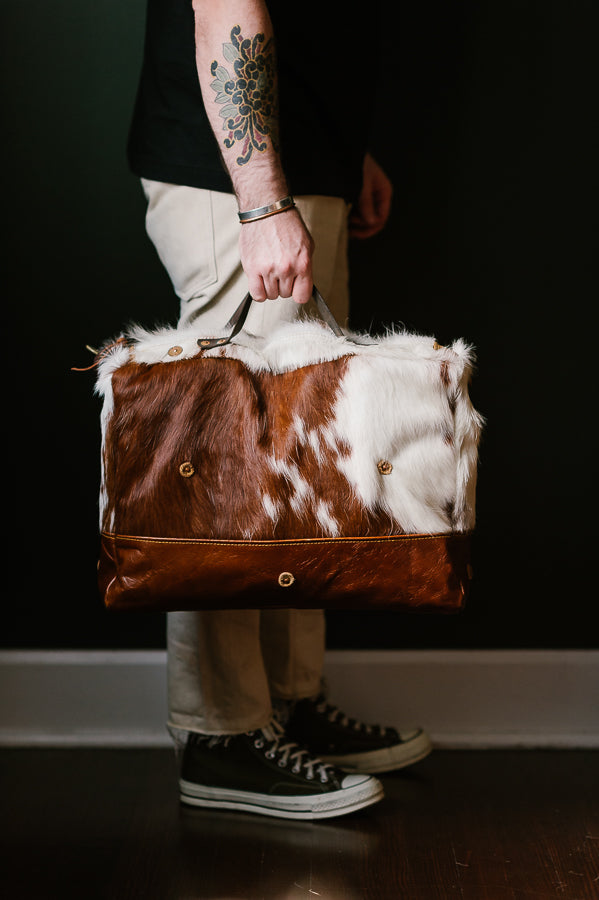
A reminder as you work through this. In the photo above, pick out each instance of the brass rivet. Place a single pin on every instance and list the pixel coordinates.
(223, 341)
(286, 579)
(384, 467)
(175, 351)
(204, 343)
(186, 469)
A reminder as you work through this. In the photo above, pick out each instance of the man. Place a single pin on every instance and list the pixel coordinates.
(250, 135)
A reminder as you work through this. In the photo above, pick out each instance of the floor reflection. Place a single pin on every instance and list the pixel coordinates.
(295, 858)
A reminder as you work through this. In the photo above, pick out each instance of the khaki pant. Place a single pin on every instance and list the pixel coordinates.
(225, 668)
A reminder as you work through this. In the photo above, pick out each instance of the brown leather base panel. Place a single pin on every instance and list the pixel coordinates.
(412, 573)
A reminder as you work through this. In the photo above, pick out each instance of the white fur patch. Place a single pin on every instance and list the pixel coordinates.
(326, 520)
(271, 507)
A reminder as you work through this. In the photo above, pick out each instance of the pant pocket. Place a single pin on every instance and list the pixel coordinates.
(180, 224)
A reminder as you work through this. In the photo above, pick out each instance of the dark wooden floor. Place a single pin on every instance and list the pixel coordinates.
(490, 825)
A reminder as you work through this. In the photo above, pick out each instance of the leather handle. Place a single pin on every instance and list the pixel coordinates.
(237, 321)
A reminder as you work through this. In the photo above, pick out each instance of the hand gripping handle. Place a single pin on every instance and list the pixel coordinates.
(237, 321)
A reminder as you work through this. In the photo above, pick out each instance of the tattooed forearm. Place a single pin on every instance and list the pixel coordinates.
(248, 95)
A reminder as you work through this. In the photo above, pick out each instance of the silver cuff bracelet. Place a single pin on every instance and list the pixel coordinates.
(262, 212)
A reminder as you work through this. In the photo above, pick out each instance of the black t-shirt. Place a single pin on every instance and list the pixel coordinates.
(327, 82)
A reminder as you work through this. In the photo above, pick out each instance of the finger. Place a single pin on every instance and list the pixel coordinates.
(302, 288)
(366, 208)
(359, 229)
(271, 286)
(286, 286)
(383, 206)
(257, 289)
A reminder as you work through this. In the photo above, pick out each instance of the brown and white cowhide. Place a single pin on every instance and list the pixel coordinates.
(257, 440)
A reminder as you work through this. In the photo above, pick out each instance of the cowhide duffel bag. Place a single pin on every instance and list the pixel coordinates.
(309, 469)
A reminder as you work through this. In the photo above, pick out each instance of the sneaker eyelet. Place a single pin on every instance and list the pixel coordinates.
(309, 776)
(282, 763)
(269, 754)
(296, 770)
(258, 743)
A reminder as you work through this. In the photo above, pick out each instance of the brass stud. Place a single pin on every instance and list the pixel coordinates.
(204, 343)
(175, 351)
(384, 467)
(186, 470)
(286, 579)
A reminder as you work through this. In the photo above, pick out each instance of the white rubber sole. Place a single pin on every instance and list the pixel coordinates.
(387, 759)
(358, 795)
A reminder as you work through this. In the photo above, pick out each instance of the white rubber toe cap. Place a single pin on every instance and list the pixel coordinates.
(352, 781)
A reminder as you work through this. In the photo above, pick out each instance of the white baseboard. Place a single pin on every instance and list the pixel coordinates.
(465, 699)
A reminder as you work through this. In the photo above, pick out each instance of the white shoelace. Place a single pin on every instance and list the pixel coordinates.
(273, 734)
(334, 714)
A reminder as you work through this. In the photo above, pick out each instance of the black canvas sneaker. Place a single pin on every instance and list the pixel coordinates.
(264, 772)
(348, 743)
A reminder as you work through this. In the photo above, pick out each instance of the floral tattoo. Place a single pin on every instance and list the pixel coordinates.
(248, 96)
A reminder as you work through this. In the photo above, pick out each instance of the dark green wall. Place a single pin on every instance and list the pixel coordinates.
(484, 114)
